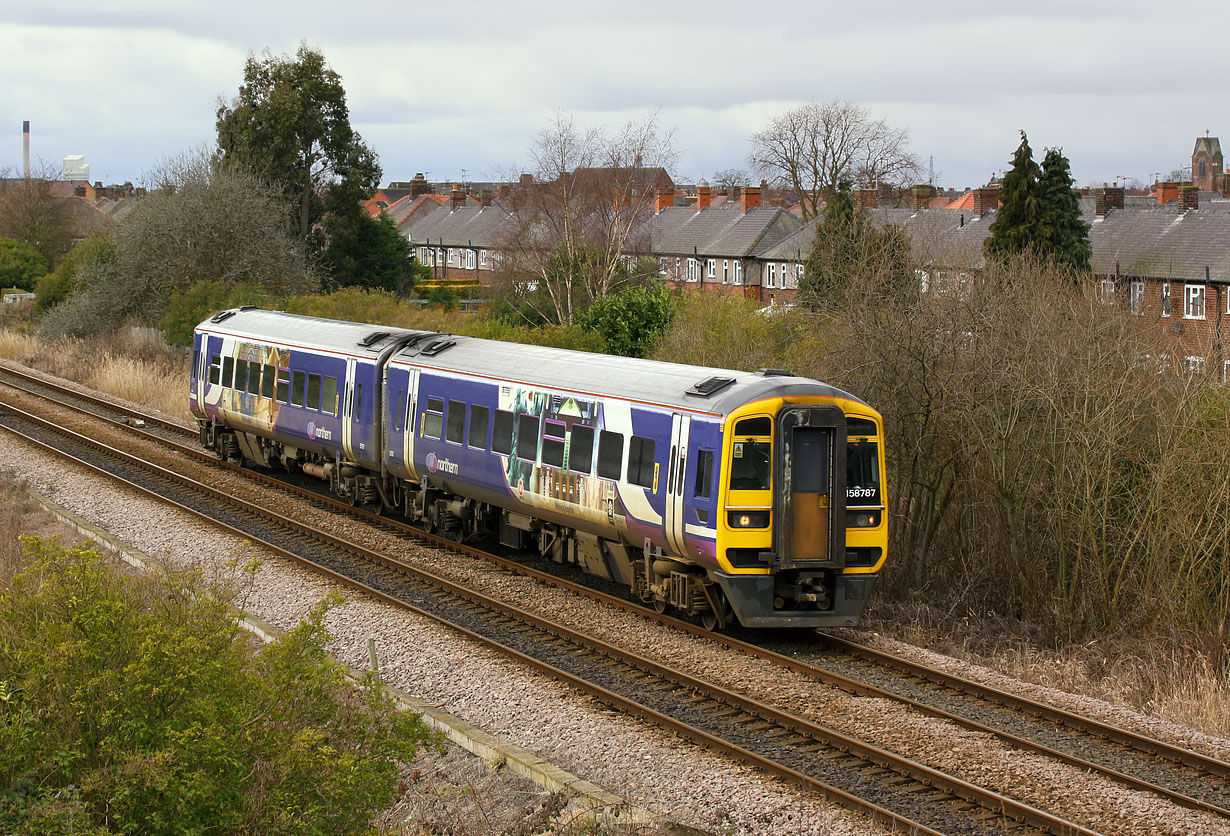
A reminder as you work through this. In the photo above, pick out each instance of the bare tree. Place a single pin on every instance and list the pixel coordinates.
(573, 231)
(812, 148)
(729, 177)
(31, 212)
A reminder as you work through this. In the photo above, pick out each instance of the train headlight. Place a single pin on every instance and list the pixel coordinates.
(748, 519)
(862, 519)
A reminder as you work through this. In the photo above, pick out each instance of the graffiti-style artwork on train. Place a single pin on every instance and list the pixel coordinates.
(548, 481)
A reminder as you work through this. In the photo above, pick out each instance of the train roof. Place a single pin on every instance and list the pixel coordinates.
(697, 388)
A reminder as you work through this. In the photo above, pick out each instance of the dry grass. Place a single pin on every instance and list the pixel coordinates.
(134, 368)
(1178, 680)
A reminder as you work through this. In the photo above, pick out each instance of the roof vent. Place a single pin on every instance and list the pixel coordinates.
(709, 386)
(434, 348)
(373, 338)
(774, 373)
(218, 317)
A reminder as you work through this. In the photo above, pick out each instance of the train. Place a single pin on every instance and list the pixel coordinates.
(730, 497)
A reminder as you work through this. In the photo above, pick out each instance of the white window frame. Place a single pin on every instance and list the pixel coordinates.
(469, 259)
(726, 272)
(1193, 301)
(798, 274)
(693, 270)
(678, 269)
(1225, 371)
(711, 267)
(1194, 364)
(1136, 295)
(738, 272)
(439, 255)
(482, 258)
(1165, 298)
(771, 277)
(1106, 291)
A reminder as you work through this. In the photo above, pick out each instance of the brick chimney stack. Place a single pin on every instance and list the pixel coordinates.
(1107, 198)
(868, 198)
(986, 199)
(920, 197)
(703, 196)
(457, 198)
(749, 198)
(665, 199)
(484, 197)
(1189, 198)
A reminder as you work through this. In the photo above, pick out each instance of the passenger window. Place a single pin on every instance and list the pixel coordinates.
(241, 375)
(502, 432)
(254, 378)
(356, 414)
(456, 422)
(610, 455)
(228, 369)
(640, 461)
(480, 416)
(296, 389)
(751, 460)
(328, 400)
(581, 449)
(269, 378)
(755, 426)
(283, 385)
(553, 443)
(433, 418)
(527, 437)
(313, 391)
(398, 409)
(215, 369)
(704, 473)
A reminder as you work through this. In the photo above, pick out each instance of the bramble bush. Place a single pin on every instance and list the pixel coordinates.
(136, 704)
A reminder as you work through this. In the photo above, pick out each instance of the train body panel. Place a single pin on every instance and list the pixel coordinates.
(705, 489)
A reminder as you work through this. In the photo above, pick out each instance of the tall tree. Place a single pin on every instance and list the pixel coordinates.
(1069, 244)
(1020, 224)
(32, 213)
(290, 124)
(21, 265)
(369, 252)
(570, 232)
(810, 149)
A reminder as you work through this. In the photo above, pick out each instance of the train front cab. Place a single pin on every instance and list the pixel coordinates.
(803, 533)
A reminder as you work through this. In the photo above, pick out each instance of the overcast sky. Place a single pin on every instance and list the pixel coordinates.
(1123, 87)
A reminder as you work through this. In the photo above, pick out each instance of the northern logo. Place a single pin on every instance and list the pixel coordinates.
(314, 431)
(441, 465)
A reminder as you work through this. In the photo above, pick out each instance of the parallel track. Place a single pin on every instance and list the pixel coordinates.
(1180, 775)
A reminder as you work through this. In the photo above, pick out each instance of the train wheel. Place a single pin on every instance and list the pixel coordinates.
(659, 605)
(709, 620)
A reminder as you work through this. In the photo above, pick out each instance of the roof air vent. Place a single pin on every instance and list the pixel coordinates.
(434, 348)
(774, 373)
(709, 386)
(218, 317)
(373, 338)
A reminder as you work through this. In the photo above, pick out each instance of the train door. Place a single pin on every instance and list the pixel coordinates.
(675, 470)
(412, 388)
(200, 374)
(348, 406)
(810, 483)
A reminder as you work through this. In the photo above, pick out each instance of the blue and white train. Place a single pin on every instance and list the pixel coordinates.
(722, 494)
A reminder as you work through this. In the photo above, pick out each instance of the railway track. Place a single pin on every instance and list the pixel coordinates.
(1180, 775)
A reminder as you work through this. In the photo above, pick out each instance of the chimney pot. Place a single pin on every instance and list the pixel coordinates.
(665, 198)
(703, 197)
(749, 198)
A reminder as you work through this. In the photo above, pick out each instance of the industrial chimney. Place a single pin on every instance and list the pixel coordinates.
(25, 143)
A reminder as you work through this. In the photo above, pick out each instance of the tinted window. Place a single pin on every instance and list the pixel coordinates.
(640, 461)
(754, 426)
(527, 437)
(254, 378)
(297, 387)
(433, 418)
(241, 374)
(581, 449)
(356, 414)
(228, 369)
(610, 455)
(269, 379)
(398, 408)
(283, 384)
(313, 391)
(215, 370)
(860, 426)
(480, 416)
(502, 432)
(862, 474)
(328, 398)
(553, 443)
(704, 473)
(750, 468)
(456, 422)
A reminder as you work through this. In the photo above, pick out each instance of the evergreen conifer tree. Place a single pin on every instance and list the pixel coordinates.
(1069, 244)
(1020, 224)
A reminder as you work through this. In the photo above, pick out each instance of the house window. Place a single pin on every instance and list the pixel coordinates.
(439, 255)
(1193, 301)
(1108, 291)
(798, 274)
(771, 279)
(450, 255)
(693, 269)
(1166, 299)
(1136, 295)
(712, 268)
(725, 270)
(664, 267)
(1225, 371)
(1193, 365)
(482, 258)
(738, 272)
(469, 259)
(678, 268)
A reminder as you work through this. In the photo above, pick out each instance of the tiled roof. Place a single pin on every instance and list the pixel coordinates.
(479, 226)
(1162, 243)
(721, 231)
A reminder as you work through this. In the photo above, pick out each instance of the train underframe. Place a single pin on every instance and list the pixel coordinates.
(715, 599)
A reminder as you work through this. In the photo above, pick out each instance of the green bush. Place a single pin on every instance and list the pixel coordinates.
(187, 309)
(57, 285)
(632, 321)
(21, 265)
(138, 705)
